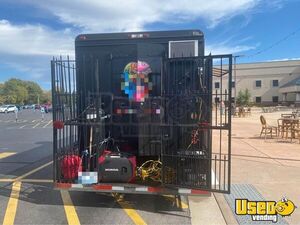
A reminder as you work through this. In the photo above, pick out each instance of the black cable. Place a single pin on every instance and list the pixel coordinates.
(276, 43)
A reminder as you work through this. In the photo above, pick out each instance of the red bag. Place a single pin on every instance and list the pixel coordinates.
(102, 157)
(70, 166)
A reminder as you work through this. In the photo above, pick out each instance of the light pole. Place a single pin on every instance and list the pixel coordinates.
(235, 83)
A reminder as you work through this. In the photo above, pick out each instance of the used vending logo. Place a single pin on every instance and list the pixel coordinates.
(264, 210)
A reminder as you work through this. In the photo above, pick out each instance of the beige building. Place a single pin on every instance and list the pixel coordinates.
(269, 83)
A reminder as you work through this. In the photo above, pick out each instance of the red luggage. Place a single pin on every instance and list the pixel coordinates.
(70, 166)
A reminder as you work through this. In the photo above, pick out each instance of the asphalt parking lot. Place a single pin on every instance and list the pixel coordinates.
(27, 195)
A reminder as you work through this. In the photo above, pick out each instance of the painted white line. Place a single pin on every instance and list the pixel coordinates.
(22, 126)
(33, 121)
(47, 124)
(36, 125)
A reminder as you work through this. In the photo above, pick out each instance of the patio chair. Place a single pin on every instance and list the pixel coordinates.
(248, 112)
(241, 112)
(280, 128)
(297, 131)
(267, 129)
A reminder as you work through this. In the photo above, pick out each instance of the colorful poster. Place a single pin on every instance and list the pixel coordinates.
(135, 81)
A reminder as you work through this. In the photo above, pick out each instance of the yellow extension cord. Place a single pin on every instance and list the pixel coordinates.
(151, 169)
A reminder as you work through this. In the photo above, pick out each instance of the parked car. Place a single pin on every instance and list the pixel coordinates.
(37, 107)
(8, 108)
(47, 107)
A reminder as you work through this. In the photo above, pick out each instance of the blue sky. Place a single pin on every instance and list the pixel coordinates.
(32, 31)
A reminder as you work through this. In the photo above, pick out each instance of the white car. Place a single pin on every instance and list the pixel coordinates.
(7, 108)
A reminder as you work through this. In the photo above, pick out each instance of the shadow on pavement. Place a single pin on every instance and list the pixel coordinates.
(44, 194)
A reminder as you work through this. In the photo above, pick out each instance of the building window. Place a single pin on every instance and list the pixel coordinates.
(258, 99)
(275, 99)
(258, 83)
(275, 83)
(233, 84)
(217, 84)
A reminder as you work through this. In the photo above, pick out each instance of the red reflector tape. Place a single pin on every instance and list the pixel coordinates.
(102, 187)
(63, 185)
(201, 192)
(154, 189)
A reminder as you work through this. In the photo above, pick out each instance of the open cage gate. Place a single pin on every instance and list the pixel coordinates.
(192, 131)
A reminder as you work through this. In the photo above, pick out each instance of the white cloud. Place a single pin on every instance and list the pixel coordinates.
(216, 49)
(283, 59)
(29, 47)
(132, 15)
(34, 40)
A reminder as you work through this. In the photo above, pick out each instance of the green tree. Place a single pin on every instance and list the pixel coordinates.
(243, 98)
(46, 97)
(1, 94)
(14, 91)
(35, 92)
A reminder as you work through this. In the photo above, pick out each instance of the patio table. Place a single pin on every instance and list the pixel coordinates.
(288, 124)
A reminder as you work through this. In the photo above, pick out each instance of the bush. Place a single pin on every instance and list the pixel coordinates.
(243, 98)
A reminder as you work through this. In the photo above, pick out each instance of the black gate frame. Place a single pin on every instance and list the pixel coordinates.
(216, 122)
(203, 167)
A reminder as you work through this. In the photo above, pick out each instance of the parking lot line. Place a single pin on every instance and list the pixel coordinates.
(70, 210)
(179, 203)
(22, 126)
(47, 124)
(6, 154)
(37, 180)
(131, 212)
(21, 178)
(27, 180)
(12, 204)
(7, 180)
(33, 171)
(36, 125)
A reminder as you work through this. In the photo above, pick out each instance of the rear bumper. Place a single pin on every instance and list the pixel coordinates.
(131, 189)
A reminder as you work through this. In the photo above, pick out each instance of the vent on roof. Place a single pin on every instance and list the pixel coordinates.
(187, 48)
